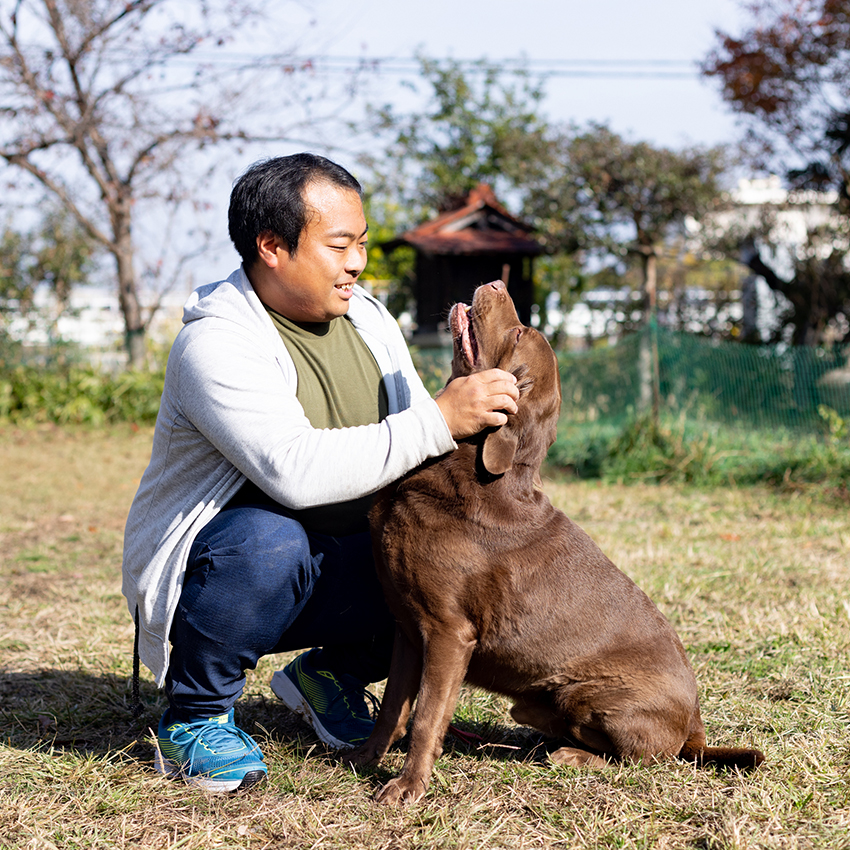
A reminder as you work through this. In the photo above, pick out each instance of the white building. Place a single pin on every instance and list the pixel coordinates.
(790, 218)
(92, 321)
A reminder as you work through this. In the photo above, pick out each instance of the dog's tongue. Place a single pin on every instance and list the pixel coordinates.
(467, 338)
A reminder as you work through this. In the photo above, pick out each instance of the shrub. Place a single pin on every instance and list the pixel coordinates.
(704, 454)
(79, 395)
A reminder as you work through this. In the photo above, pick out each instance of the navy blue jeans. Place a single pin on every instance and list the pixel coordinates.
(257, 583)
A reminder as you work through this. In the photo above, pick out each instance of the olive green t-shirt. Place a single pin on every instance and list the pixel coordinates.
(339, 386)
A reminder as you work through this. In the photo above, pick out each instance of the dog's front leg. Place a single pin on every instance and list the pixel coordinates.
(402, 684)
(446, 658)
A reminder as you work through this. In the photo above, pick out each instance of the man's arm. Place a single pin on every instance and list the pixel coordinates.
(230, 394)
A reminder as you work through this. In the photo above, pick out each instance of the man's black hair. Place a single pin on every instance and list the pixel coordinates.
(269, 197)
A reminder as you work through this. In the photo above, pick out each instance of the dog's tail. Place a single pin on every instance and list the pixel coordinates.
(741, 758)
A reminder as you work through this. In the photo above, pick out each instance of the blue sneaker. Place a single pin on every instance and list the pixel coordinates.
(336, 708)
(210, 752)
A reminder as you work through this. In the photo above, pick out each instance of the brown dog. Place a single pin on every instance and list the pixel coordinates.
(491, 584)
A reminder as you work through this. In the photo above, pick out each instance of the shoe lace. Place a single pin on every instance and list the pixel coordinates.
(217, 738)
(357, 701)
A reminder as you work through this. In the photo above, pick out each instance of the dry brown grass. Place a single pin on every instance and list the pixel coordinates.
(758, 584)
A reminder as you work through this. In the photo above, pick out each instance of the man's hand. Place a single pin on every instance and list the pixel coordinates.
(478, 401)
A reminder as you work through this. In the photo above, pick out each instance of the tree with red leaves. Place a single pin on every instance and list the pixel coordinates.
(788, 76)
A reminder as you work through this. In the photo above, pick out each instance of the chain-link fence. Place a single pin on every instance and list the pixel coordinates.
(762, 387)
(661, 405)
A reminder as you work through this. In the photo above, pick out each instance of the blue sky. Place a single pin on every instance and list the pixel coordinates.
(673, 111)
(670, 111)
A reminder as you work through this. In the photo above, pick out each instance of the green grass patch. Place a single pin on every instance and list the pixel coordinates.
(704, 454)
(754, 579)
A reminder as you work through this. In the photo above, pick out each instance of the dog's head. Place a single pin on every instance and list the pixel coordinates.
(488, 335)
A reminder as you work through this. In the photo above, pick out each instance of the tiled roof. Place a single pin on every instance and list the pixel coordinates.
(481, 226)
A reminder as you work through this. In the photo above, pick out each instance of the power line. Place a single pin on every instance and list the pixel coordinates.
(395, 65)
(594, 68)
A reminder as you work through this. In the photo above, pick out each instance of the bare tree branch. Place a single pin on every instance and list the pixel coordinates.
(62, 194)
(85, 114)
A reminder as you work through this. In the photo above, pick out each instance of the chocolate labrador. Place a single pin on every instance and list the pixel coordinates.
(493, 585)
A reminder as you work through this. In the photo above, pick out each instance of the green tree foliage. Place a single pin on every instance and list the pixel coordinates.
(63, 255)
(619, 199)
(587, 191)
(389, 272)
(57, 254)
(479, 125)
(14, 282)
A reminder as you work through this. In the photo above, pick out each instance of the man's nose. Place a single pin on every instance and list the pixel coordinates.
(355, 260)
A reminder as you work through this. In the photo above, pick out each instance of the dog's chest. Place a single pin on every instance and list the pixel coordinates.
(443, 515)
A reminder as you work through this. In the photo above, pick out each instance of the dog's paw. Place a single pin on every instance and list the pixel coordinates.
(363, 756)
(401, 790)
(573, 757)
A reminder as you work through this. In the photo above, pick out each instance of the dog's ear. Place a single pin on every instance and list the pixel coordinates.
(497, 453)
(500, 444)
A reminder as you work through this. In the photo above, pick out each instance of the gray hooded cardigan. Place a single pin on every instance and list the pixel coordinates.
(229, 412)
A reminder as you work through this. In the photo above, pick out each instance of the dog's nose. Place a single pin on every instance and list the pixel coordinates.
(497, 284)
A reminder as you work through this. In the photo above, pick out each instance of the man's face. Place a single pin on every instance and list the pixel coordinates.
(316, 283)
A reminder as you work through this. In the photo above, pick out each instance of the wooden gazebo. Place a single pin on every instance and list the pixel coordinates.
(478, 242)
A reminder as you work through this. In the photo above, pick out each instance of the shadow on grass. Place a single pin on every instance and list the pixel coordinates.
(74, 710)
(494, 741)
(85, 713)
(485, 742)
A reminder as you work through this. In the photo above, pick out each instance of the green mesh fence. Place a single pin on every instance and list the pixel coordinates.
(760, 387)
(728, 413)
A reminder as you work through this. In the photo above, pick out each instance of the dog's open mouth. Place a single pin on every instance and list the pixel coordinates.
(464, 332)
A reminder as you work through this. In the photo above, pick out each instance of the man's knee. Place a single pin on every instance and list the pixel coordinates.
(251, 555)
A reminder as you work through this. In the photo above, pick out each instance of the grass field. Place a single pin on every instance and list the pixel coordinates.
(756, 581)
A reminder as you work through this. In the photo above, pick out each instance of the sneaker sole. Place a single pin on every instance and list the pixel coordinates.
(214, 786)
(285, 690)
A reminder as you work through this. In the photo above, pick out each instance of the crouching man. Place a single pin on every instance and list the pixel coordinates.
(290, 398)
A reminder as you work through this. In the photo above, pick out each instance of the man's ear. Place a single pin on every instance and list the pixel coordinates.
(497, 453)
(269, 247)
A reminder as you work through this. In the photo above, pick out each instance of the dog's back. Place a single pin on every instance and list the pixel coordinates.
(548, 609)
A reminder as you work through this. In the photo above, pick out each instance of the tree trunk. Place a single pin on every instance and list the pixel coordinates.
(750, 307)
(648, 366)
(650, 279)
(128, 292)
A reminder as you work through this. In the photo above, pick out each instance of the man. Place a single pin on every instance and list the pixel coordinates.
(289, 399)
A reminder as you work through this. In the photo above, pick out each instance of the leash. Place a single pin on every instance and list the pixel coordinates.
(138, 708)
(466, 737)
